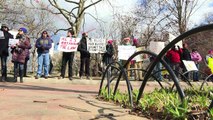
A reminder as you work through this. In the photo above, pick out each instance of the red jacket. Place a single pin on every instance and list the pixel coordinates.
(174, 55)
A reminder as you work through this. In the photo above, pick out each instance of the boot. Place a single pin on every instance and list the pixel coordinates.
(21, 74)
(15, 76)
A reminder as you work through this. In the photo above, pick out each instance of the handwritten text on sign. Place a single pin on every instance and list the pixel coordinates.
(13, 42)
(96, 45)
(67, 44)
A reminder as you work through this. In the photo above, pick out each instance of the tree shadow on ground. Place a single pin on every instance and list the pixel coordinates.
(35, 87)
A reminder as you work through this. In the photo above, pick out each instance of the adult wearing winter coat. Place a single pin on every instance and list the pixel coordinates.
(19, 53)
(4, 40)
(43, 44)
(67, 57)
(173, 56)
(107, 57)
(84, 56)
(19, 36)
(185, 56)
(196, 57)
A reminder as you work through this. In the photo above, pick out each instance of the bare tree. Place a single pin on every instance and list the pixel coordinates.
(74, 14)
(181, 11)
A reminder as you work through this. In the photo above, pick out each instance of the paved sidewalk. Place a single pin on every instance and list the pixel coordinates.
(53, 99)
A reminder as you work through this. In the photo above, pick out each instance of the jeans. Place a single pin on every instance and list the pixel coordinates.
(43, 61)
(4, 66)
(18, 67)
(158, 72)
(195, 74)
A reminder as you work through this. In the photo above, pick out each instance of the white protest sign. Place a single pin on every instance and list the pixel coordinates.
(13, 42)
(1, 34)
(51, 50)
(96, 45)
(13, 32)
(190, 65)
(172, 37)
(124, 52)
(156, 47)
(68, 44)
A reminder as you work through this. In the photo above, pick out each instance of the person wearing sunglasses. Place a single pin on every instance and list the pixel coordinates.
(43, 44)
(4, 40)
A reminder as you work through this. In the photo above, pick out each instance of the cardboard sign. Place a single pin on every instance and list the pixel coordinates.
(190, 65)
(68, 44)
(1, 34)
(124, 52)
(51, 50)
(13, 42)
(156, 47)
(172, 37)
(96, 45)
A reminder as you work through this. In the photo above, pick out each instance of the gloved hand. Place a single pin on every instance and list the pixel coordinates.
(42, 47)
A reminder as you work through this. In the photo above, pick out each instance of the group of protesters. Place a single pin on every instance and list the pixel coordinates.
(20, 55)
(20, 52)
(176, 55)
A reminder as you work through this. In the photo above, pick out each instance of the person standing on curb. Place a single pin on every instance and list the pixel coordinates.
(85, 57)
(19, 52)
(19, 36)
(196, 57)
(43, 44)
(67, 57)
(4, 40)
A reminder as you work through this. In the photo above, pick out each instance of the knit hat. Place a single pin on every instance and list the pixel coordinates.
(127, 39)
(210, 51)
(23, 29)
(110, 41)
(135, 41)
(4, 25)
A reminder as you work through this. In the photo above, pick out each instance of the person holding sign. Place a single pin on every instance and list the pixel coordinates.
(4, 40)
(43, 44)
(20, 36)
(85, 56)
(19, 53)
(67, 57)
(185, 55)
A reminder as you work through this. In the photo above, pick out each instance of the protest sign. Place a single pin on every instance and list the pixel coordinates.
(51, 51)
(68, 44)
(190, 65)
(96, 45)
(172, 37)
(1, 34)
(156, 47)
(13, 42)
(124, 52)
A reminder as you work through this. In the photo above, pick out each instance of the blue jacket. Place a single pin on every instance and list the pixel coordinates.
(43, 45)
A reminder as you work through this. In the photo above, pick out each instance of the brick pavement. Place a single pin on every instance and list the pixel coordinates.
(53, 99)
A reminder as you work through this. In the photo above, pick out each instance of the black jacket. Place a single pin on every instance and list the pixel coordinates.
(107, 58)
(185, 54)
(4, 43)
(82, 48)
